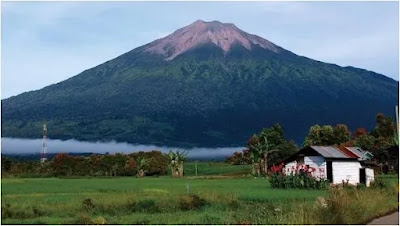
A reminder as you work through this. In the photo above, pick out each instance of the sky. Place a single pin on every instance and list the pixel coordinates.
(43, 43)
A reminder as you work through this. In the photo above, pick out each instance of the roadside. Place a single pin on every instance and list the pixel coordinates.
(392, 219)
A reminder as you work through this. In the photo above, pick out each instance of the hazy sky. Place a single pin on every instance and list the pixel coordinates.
(46, 42)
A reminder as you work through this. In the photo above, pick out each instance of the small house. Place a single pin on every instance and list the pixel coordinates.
(337, 165)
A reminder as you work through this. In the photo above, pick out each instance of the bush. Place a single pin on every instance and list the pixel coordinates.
(130, 204)
(6, 211)
(85, 220)
(346, 205)
(239, 158)
(302, 181)
(190, 202)
(87, 204)
(146, 205)
(99, 220)
(37, 212)
(157, 163)
(141, 222)
(378, 183)
(234, 204)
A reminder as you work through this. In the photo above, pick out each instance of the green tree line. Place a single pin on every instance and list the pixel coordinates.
(269, 147)
(134, 164)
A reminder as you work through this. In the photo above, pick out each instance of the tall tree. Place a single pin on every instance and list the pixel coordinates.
(365, 142)
(341, 134)
(320, 135)
(359, 132)
(269, 147)
(385, 127)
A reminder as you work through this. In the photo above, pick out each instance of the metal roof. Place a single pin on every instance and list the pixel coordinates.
(362, 155)
(325, 151)
(331, 152)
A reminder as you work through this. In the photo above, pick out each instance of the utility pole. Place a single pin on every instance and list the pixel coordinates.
(397, 118)
(43, 153)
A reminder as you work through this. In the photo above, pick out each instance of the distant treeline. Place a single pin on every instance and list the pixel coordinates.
(36, 156)
(87, 164)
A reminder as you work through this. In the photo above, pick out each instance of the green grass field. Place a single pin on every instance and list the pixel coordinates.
(157, 200)
(61, 199)
(215, 168)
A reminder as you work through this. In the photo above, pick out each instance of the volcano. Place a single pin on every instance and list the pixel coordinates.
(207, 84)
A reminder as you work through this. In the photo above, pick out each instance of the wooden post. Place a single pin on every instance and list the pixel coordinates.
(195, 165)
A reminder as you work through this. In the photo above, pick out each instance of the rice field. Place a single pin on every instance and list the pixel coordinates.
(157, 200)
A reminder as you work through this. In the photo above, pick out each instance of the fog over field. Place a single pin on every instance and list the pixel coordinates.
(26, 146)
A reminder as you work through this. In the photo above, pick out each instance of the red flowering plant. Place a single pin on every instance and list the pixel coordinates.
(278, 169)
(299, 176)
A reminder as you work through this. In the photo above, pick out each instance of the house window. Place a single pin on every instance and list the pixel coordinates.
(368, 155)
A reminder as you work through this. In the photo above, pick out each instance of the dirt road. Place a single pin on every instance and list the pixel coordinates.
(389, 219)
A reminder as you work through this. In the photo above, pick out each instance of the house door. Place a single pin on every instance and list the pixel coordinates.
(329, 171)
(362, 176)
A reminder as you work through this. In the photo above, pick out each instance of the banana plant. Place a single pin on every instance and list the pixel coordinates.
(177, 159)
(260, 151)
(141, 163)
(396, 138)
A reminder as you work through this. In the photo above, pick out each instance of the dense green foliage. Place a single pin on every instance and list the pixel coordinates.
(146, 163)
(302, 181)
(382, 141)
(327, 135)
(240, 158)
(269, 147)
(156, 165)
(201, 98)
(164, 200)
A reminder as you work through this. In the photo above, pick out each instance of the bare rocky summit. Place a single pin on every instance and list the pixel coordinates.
(200, 32)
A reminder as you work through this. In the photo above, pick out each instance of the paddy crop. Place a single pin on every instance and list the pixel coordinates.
(157, 200)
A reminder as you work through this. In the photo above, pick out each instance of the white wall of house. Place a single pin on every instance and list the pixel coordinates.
(369, 176)
(316, 162)
(289, 167)
(346, 170)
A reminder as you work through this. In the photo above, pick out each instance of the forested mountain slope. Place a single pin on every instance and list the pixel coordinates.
(207, 84)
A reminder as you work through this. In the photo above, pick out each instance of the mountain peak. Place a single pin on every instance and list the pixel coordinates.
(223, 35)
(214, 23)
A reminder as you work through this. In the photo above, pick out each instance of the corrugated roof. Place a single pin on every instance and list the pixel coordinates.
(348, 152)
(324, 151)
(330, 152)
(359, 152)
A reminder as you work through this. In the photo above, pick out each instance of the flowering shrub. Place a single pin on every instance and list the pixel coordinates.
(277, 169)
(302, 181)
(300, 177)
